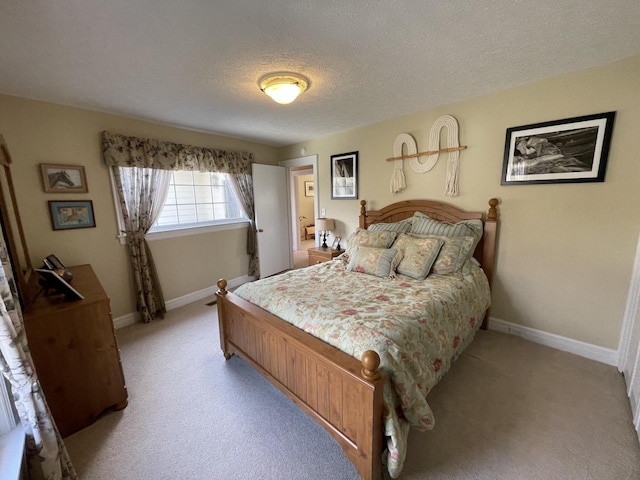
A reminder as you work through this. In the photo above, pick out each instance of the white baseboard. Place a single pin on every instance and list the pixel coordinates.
(587, 350)
(131, 318)
(126, 320)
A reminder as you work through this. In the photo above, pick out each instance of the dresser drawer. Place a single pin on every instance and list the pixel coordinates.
(315, 259)
(319, 255)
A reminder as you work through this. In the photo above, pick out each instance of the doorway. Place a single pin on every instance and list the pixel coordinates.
(303, 203)
(303, 206)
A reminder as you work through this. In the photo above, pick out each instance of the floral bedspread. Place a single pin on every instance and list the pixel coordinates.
(418, 327)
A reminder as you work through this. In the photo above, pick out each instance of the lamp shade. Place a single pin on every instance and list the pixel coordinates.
(325, 224)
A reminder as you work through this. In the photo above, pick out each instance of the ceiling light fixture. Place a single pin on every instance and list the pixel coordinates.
(283, 87)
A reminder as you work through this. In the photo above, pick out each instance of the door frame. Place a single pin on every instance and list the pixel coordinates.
(307, 161)
(294, 173)
(629, 344)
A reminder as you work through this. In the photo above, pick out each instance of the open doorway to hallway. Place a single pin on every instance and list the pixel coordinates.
(303, 202)
(303, 212)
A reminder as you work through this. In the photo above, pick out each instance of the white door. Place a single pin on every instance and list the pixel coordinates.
(629, 347)
(270, 190)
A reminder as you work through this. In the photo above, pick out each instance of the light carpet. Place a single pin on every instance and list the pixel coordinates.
(301, 256)
(507, 409)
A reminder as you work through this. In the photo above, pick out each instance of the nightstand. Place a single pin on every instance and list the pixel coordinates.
(319, 254)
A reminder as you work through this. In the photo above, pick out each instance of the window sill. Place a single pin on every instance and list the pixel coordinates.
(12, 453)
(185, 232)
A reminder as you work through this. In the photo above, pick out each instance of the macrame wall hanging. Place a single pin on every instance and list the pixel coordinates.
(398, 181)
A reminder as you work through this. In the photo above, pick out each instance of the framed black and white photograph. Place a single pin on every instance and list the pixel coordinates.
(562, 151)
(336, 242)
(308, 189)
(58, 178)
(344, 176)
(74, 214)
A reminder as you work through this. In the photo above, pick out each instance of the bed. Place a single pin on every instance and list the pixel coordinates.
(344, 349)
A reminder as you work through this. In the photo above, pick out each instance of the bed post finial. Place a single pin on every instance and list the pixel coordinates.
(362, 220)
(222, 286)
(492, 215)
(370, 363)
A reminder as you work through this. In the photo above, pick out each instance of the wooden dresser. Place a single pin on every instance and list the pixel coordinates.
(76, 354)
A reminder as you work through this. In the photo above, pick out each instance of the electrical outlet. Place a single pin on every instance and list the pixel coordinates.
(323, 212)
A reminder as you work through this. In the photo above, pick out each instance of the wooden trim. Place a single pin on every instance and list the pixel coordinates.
(12, 222)
(429, 152)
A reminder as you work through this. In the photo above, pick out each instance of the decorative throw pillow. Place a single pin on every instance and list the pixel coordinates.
(365, 238)
(425, 225)
(418, 254)
(381, 262)
(454, 255)
(402, 226)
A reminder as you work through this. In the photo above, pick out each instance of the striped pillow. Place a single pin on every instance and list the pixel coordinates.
(424, 225)
(402, 226)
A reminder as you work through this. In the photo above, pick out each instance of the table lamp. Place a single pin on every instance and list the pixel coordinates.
(325, 225)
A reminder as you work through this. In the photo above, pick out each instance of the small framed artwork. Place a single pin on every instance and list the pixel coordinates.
(344, 176)
(336, 243)
(74, 214)
(57, 178)
(308, 189)
(562, 151)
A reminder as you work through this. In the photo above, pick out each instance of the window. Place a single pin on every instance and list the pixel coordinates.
(198, 199)
(8, 414)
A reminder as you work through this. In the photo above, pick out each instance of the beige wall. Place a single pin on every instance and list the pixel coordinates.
(565, 251)
(38, 132)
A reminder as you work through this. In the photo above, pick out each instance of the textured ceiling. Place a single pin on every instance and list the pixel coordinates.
(195, 63)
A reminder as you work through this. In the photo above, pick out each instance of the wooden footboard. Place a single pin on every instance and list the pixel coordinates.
(343, 395)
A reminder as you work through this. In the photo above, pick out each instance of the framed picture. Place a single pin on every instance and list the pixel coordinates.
(63, 178)
(336, 243)
(344, 176)
(562, 151)
(74, 214)
(308, 189)
(53, 280)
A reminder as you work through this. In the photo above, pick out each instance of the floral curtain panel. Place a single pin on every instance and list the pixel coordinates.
(142, 193)
(47, 457)
(243, 185)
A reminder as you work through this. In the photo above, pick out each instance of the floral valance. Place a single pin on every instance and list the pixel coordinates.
(122, 151)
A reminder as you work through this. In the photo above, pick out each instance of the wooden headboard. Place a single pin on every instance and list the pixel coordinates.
(485, 251)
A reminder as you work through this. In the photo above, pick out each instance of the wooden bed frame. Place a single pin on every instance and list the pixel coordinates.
(339, 392)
